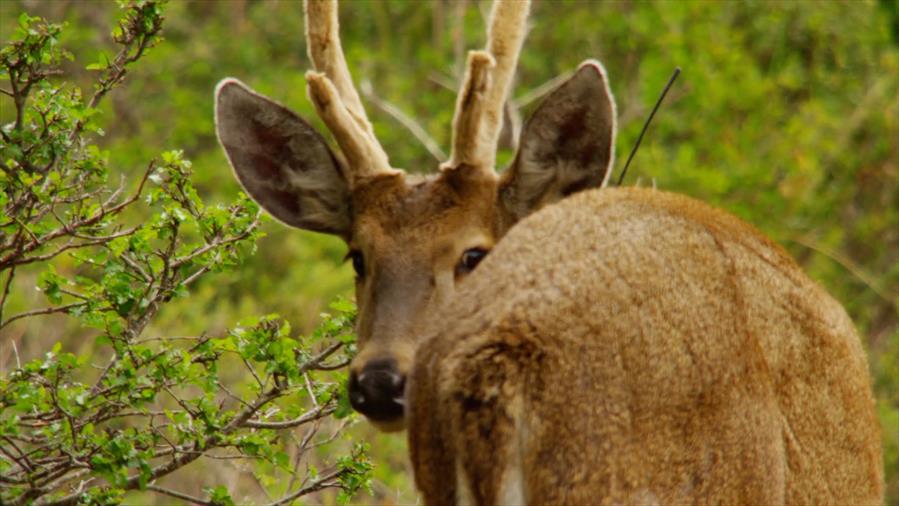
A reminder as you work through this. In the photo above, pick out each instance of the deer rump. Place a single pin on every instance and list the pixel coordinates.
(634, 346)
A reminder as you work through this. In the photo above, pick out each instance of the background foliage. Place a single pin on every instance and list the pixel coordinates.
(786, 114)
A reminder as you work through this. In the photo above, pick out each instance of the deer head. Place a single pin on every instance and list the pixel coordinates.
(413, 239)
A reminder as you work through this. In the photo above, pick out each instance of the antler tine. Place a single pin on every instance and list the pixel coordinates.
(479, 106)
(331, 89)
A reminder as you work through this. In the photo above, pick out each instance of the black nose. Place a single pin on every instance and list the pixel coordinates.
(377, 391)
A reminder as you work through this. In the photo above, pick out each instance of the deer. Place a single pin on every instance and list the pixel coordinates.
(544, 338)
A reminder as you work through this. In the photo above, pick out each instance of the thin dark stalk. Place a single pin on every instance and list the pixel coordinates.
(646, 125)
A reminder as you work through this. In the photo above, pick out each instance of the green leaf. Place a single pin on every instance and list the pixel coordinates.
(342, 305)
(344, 408)
(219, 496)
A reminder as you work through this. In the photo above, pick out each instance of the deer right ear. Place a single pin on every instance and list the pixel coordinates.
(567, 145)
(281, 161)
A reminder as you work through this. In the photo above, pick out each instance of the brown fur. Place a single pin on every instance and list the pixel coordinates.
(634, 346)
(411, 234)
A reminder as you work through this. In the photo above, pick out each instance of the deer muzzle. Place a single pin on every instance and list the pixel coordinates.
(377, 391)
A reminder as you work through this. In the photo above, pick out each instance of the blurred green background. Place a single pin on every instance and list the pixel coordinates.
(786, 114)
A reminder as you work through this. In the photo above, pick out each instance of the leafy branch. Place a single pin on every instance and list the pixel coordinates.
(111, 258)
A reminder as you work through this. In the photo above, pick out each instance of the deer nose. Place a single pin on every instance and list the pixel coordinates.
(378, 390)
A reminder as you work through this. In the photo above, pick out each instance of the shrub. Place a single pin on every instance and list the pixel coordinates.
(111, 256)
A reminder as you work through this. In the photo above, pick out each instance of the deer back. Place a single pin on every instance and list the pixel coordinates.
(635, 346)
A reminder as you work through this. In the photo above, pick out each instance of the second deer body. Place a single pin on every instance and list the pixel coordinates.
(630, 346)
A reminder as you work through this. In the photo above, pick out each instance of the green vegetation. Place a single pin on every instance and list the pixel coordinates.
(75, 432)
(786, 114)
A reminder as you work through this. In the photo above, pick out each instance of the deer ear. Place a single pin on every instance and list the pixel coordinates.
(567, 145)
(281, 161)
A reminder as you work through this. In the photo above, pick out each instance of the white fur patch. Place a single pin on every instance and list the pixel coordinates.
(512, 491)
(464, 497)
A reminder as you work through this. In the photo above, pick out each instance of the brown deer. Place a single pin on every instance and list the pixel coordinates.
(618, 346)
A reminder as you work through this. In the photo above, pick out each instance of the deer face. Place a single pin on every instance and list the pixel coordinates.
(412, 242)
(412, 239)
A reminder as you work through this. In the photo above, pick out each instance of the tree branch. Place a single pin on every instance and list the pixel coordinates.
(315, 414)
(178, 495)
(321, 483)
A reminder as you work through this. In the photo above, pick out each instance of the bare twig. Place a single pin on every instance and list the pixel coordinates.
(310, 391)
(848, 264)
(193, 277)
(63, 480)
(93, 241)
(314, 362)
(333, 435)
(443, 81)
(320, 412)
(46, 310)
(231, 394)
(176, 494)
(22, 463)
(538, 92)
(217, 242)
(6, 287)
(134, 265)
(323, 481)
(333, 367)
(15, 352)
(402, 118)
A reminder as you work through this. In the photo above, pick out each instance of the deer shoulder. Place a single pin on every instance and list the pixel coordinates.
(642, 347)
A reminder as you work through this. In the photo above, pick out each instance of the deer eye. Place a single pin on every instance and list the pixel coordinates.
(470, 259)
(358, 263)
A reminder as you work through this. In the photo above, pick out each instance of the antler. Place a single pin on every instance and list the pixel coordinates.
(479, 106)
(331, 90)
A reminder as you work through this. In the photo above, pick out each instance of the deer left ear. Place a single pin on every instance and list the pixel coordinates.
(567, 145)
